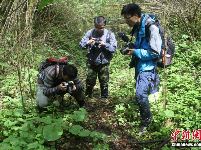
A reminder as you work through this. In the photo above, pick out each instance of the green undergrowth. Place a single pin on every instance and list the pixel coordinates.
(23, 127)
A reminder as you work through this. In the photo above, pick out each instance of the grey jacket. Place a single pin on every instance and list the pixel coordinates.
(99, 55)
(51, 84)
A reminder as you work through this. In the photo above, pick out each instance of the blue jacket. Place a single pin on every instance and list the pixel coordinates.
(144, 50)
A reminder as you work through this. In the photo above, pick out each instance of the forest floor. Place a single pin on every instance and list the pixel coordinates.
(103, 119)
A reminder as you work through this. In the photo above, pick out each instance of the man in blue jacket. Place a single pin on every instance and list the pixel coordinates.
(101, 45)
(146, 51)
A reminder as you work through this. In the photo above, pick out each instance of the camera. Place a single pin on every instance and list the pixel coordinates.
(69, 86)
(97, 40)
(124, 50)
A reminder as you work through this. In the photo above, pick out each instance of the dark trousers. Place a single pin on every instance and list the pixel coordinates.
(102, 71)
(43, 101)
(145, 85)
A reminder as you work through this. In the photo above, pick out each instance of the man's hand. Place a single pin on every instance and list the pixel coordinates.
(61, 87)
(91, 41)
(101, 43)
(74, 87)
(130, 51)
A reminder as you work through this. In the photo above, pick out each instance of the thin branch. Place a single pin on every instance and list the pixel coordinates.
(162, 144)
(13, 11)
(146, 142)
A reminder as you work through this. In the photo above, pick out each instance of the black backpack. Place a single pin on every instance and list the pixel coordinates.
(168, 47)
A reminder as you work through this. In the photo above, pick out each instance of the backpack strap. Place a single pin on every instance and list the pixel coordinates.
(161, 31)
(57, 70)
(92, 32)
(133, 31)
(147, 31)
(108, 36)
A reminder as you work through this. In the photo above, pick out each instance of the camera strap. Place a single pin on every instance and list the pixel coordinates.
(132, 32)
(137, 26)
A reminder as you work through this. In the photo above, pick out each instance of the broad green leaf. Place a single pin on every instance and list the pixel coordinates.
(12, 139)
(94, 134)
(169, 113)
(79, 115)
(185, 36)
(24, 134)
(15, 128)
(21, 120)
(46, 120)
(18, 112)
(44, 3)
(121, 119)
(9, 113)
(39, 129)
(5, 132)
(3, 64)
(16, 147)
(38, 119)
(26, 75)
(60, 121)
(75, 129)
(24, 127)
(5, 145)
(35, 72)
(84, 133)
(120, 107)
(52, 132)
(7, 123)
(33, 145)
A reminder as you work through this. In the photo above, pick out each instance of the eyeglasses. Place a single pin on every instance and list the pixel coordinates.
(128, 18)
(100, 29)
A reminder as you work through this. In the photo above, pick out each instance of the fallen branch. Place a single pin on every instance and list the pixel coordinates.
(164, 141)
(146, 142)
(162, 144)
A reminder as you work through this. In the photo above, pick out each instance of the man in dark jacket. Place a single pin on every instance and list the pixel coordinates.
(49, 85)
(145, 54)
(101, 44)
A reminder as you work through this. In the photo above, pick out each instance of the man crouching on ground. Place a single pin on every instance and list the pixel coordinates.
(49, 85)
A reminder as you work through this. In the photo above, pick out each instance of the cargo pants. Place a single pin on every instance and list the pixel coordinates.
(102, 71)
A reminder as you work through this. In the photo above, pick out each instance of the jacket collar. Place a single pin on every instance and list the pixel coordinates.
(145, 19)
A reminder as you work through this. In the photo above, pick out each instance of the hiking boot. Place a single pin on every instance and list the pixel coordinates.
(89, 91)
(88, 108)
(104, 101)
(142, 129)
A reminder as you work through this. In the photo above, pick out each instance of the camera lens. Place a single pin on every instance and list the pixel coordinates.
(65, 84)
(96, 42)
(124, 51)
